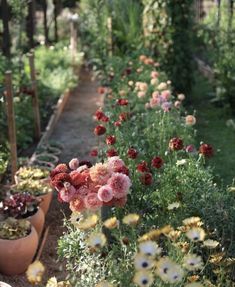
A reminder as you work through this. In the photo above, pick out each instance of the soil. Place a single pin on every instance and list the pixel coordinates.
(74, 131)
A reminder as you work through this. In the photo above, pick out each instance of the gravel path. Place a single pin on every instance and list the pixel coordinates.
(75, 131)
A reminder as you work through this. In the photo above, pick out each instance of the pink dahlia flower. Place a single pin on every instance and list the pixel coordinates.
(74, 163)
(92, 201)
(105, 193)
(77, 205)
(100, 173)
(120, 184)
(115, 163)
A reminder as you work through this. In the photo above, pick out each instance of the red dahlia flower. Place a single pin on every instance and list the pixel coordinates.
(99, 115)
(176, 144)
(110, 140)
(157, 162)
(146, 178)
(60, 168)
(142, 167)
(111, 152)
(59, 179)
(105, 119)
(99, 130)
(123, 116)
(122, 102)
(123, 170)
(206, 150)
(132, 153)
(94, 152)
(117, 123)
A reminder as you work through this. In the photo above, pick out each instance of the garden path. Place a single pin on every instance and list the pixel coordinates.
(75, 131)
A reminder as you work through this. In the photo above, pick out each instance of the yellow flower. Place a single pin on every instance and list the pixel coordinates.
(193, 278)
(155, 233)
(96, 240)
(174, 235)
(52, 282)
(211, 244)
(196, 234)
(87, 223)
(149, 248)
(104, 284)
(131, 219)
(111, 223)
(193, 221)
(217, 258)
(143, 278)
(143, 262)
(193, 262)
(35, 272)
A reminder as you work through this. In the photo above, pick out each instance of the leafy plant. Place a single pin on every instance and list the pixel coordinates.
(12, 229)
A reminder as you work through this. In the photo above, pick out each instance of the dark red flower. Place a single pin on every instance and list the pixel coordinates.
(117, 123)
(99, 114)
(122, 102)
(62, 167)
(59, 179)
(78, 179)
(124, 116)
(132, 153)
(123, 170)
(142, 167)
(105, 119)
(99, 130)
(111, 152)
(94, 152)
(157, 162)
(110, 140)
(176, 144)
(206, 150)
(146, 178)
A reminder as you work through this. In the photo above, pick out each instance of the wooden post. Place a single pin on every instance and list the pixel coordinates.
(110, 40)
(37, 121)
(73, 40)
(11, 123)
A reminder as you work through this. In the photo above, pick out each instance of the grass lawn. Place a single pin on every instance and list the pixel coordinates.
(211, 128)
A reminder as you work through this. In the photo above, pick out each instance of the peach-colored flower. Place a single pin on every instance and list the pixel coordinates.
(166, 94)
(143, 87)
(181, 97)
(141, 94)
(74, 163)
(77, 205)
(177, 104)
(154, 82)
(92, 201)
(120, 184)
(105, 193)
(100, 173)
(162, 86)
(190, 120)
(154, 74)
(154, 102)
(155, 95)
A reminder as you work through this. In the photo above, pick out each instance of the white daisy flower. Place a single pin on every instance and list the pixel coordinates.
(149, 248)
(143, 262)
(196, 234)
(211, 244)
(193, 262)
(143, 278)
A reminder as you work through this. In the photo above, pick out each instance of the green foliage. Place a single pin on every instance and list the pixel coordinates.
(12, 229)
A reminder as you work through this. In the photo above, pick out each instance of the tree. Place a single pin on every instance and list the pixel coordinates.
(30, 23)
(5, 14)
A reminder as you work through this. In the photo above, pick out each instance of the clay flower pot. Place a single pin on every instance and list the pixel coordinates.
(37, 220)
(16, 255)
(3, 284)
(46, 201)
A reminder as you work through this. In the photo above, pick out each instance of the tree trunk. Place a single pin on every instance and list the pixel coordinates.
(56, 37)
(30, 26)
(45, 26)
(6, 44)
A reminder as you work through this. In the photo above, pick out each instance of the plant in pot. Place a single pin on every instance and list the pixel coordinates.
(32, 173)
(38, 188)
(18, 245)
(24, 206)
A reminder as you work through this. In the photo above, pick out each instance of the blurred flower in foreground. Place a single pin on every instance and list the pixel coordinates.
(35, 272)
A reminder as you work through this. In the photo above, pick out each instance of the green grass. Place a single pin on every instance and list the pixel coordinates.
(211, 128)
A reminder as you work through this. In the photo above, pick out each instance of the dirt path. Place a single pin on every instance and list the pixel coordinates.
(75, 131)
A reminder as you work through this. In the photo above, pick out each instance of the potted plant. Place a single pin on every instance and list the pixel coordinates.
(38, 188)
(24, 206)
(18, 245)
(32, 173)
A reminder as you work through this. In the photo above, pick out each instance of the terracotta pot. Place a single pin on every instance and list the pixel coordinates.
(37, 220)
(46, 201)
(16, 255)
(3, 284)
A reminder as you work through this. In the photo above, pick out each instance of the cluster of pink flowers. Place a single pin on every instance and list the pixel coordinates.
(160, 99)
(89, 188)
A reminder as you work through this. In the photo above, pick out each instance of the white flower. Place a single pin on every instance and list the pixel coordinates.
(181, 162)
(196, 234)
(173, 205)
(211, 244)
(143, 262)
(193, 262)
(149, 248)
(143, 278)
(96, 240)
